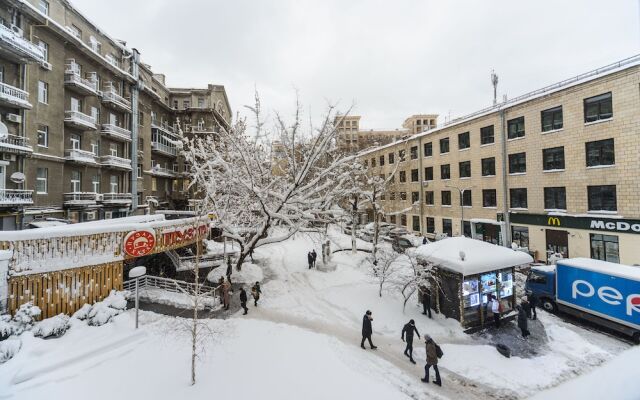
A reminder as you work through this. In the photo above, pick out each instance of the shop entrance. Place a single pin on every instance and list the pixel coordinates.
(488, 233)
(558, 242)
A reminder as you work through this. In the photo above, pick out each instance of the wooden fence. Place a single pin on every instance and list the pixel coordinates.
(65, 291)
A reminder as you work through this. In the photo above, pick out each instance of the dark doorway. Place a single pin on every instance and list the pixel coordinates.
(558, 242)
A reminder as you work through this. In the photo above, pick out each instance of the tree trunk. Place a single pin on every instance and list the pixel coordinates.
(376, 228)
(194, 328)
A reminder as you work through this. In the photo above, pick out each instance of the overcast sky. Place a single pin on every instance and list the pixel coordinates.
(391, 59)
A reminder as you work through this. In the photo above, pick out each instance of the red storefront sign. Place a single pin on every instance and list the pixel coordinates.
(139, 243)
(186, 234)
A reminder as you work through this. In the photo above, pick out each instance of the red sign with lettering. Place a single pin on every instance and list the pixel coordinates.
(139, 243)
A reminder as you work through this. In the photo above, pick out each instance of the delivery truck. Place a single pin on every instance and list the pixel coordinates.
(601, 292)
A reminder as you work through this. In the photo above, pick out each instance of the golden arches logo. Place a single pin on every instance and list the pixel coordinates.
(553, 221)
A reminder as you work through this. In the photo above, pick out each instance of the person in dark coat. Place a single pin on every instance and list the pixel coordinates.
(426, 301)
(310, 259)
(407, 336)
(533, 300)
(315, 256)
(367, 330)
(522, 321)
(255, 292)
(243, 300)
(424, 240)
(526, 306)
(432, 361)
(229, 269)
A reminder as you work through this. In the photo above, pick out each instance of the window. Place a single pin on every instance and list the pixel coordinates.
(392, 196)
(95, 113)
(76, 181)
(175, 104)
(76, 104)
(392, 178)
(366, 163)
(600, 152)
(447, 227)
(43, 136)
(598, 108)
(489, 166)
(466, 198)
(415, 222)
(75, 141)
(555, 198)
(95, 183)
(515, 128)
(464, 169)
(605, 248)
(373, 162)
(445, 171)
(113, 183)
(431, 225)
(45, 49)
(403, 196)
(553, 158)
(489, 198)
(518, 163)
(401, 154)
(415, 197)
(139, 171)
(43, 92)
(414, 175)
(75, 31)
(444, 145)
(113, 149)
(95, 147)
(381, 161)
(392, 158)
(520, 235)
(403, 220)
(518, 198)
(429, 198)
(200, 102)
(445, 197)
(464, 142)
(466, 228)
(403, 176)
(186, 104)
(43, 7)
(486, 135)
(551, 119)
(383, 197)
(42, 178)
(428, 149)
(141, 118)
(428, 173)
(414, 152)
(392, 219)
(154, 184)
(602, 198)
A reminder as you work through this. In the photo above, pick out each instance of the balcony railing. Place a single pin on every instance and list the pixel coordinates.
(162, 171)
(12, 197)
(72, 78)
(80, 119)
(14, 96)
(110, 96)
(116, 132)
(164, 149)
(115, 162)
(116, 198)
(79, 198)
(15, 144)
(20, 47)
(81, 156)
(163, 126)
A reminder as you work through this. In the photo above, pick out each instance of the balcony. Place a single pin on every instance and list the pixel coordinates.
(80, 199)
(81, 156)
(163, 126)
(13, 97)
(73, 80)
(115, 162)
(157, 170)
(115, 132)
(115, 198)
(80, 120)
(111, 98)
(15, 197)
(15, 144)
(164, 149)
(16, 48)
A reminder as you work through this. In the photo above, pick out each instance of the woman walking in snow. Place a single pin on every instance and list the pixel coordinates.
(255, 292)
(523, 321)
(243, 300)
(226, 287)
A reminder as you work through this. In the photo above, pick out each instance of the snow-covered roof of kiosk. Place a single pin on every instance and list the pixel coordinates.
(479, 256)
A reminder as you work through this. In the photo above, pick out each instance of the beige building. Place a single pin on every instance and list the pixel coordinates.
(554, 170)
(92, 132)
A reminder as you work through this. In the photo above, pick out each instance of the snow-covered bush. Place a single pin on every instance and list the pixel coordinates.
(116, 300)
(25, 317)
(51, 327)
(103, 311)
(9, 348)
(6, 327)
(83, 312)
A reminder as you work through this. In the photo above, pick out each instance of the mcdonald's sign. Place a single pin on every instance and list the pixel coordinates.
(553, 221)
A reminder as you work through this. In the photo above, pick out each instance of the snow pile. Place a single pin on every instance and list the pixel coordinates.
(103, 311)
(6, 327)
(214, 247)
(51, 327)
(178, 300)
(24, 318)
(249, 274)
(83, 312)
(9, 348)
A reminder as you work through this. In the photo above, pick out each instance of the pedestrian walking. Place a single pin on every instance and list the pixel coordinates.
(533, 300)
(407, 336)
(229, 269)
(367, 330)
(426, 300)
(315, 256)
(494, 306)
(433, 353)
(310, 259)
(255, 292)
(226, 289)
(526, 306)
(424, 240)
(220, 286)
(243, 300)
(522, 321)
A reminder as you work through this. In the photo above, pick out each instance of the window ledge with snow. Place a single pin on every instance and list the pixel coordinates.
(601, 166)
(600, 121)
(487, 144)
(551, 131)
(517, 173)
(547, 171)
(516, 138)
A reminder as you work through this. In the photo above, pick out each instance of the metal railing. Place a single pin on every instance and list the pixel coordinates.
(78, 116)
(164, 148)
(14, 94)
(21, 44)
(73, 77)
(110, 95)
(158, 170)
(80, 197)
(172, 285)
(114, 130)
(115, 161)
(16, 196)
(81, 156)
(116, 197)
(163, 126)
(15, 141)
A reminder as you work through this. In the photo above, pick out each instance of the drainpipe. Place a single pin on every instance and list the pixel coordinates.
(135, 88)
(506, 226)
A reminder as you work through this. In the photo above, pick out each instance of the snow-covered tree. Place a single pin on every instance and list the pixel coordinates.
(412, 275)
(385, 268)
(375, 187)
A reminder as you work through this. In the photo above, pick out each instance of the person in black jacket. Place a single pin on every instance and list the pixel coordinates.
(367, 330)
(407, 335)
(522, 321)
(426, 301)
(533, 301)
(310, 259)
(243, 300)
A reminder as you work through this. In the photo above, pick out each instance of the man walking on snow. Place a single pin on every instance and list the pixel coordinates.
(255, 292)
(407, 332)
(315, 256)
(432, 360)
(310, 259)
(243, 300)
(367, 330)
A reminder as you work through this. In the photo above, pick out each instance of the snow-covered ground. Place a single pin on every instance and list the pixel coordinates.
(302, 341)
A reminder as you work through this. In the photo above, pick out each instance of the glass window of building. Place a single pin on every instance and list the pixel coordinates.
(415, 175)
(415, 197)
(487, 135)
(553, 158)
(518, 198)
(43, 136)
(464, 142)
(602, 198)
(444, 145)
(445, 171)
(489, 166)
(464, 169)
(428, 149)
(381, 160)
(414, 152)
(401, 155)
(598, 108)
(445, 197)
(515, 128)
(489, 198)
(373, 162)
(415, 222)
(428, 197)
(43, 92)
(403, 196)
(518, 163)
(428, 173)
(403, 176)
(392, 158)
(43, 7)
(447, 227)
(555, 198)
(431, 225)
(551, 119)
(520, 235)
(466, 198)
(600, 152)
(42, 180)
(403, 220)
(605, 248)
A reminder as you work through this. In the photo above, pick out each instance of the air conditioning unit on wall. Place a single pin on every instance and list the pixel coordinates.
(14, 118)
(8, 157)
(46, 65)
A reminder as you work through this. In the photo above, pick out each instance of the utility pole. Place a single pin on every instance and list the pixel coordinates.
(461, 191)
(494, 82)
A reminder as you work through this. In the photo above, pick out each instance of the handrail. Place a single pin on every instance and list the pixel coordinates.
(14, 92)
(171, 285)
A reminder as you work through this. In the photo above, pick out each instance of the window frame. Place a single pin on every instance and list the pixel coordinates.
(516, 194)
(598, 100)
(443, 168)
(518, 163)
(488, 194)
(44, 179)
(601, 155)
(415, 175)
(45, 134)
(445, 198)
(604, 239)
(555, 190)
(594, 190)
(553, 113)
(482, 166)
(483, 138)
(429, 197)
(516, 123)
(553, 151)
(428, 149)
(43, 92)
(444, 142)
(464, 198)
(428, 174)
(466, 167)
(464, 139)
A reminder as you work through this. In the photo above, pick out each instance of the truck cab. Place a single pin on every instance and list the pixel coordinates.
(541, 281)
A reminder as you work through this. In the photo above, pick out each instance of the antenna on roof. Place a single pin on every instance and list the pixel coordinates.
(494, 82)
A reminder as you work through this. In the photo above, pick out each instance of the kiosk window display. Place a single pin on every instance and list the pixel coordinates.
(470, 293)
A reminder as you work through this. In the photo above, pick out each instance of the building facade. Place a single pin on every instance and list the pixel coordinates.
(91, 131)
(555, 170)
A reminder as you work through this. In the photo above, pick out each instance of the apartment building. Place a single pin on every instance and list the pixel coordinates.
(554, 170)
(351, 138)
(91, 131)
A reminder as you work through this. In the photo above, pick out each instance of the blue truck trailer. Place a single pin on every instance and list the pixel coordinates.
(601, 292)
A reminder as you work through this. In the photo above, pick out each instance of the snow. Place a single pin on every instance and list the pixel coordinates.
(8, 349)
(54, 326)
(479, 256)
(249, 274)
(604, 267)
(178, 300)
(544, 267)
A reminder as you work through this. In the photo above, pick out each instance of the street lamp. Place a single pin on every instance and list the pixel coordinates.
(136, 273)
(461, 191)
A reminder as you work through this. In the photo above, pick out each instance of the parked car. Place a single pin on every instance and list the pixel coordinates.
(401, 243)
(398, 231)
